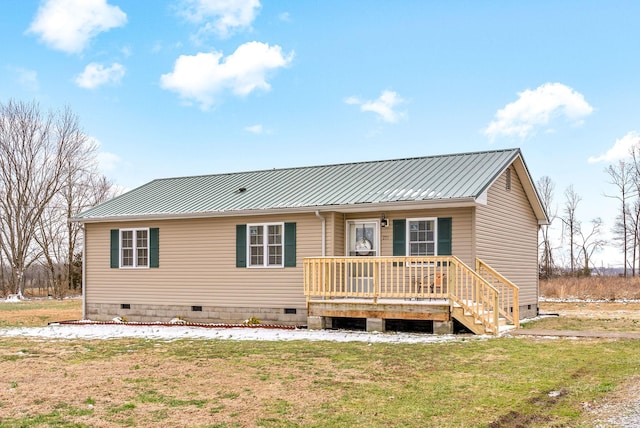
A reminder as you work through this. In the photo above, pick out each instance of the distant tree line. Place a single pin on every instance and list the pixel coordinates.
(579, 241)
(48, 173)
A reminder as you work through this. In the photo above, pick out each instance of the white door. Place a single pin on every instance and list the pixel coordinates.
(362, 241)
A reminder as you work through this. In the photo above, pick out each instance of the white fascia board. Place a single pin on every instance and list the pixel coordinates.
(368, 207)
(483, 198)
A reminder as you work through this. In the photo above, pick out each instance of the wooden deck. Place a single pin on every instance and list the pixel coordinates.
(410, 288)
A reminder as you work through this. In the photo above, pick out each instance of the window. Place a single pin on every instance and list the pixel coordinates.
(421, 237)
(265, 244)
(134, 248)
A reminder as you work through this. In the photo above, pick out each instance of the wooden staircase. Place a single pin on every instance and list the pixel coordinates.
(483, 300)
(474, 323)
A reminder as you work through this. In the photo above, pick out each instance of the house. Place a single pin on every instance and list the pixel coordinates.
(438, 238)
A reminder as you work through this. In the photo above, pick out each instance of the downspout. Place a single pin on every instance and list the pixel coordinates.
(84, 272)
(324, 231)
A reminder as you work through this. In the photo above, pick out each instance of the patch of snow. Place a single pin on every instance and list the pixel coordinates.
(169, 333)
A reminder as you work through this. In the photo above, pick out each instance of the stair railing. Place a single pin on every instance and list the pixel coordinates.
(509, 301)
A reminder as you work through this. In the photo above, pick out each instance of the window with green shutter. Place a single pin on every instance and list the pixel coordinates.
(422, 237)
(135, 248)
(266, 245)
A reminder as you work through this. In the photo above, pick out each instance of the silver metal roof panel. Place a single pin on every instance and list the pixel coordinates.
(445, 177)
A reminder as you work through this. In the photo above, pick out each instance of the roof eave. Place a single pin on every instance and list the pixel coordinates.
(348, 208)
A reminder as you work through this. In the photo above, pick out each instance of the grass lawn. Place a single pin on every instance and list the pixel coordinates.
(501, 382)
(36, 313)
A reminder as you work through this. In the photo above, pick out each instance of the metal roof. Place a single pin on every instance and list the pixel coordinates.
(453, 177)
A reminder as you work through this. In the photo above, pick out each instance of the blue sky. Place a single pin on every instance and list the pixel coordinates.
(172, 88)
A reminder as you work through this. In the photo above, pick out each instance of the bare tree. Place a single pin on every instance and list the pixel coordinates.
(622, 176)
(545, 189)
(35, 149)
(571, 223)
(85, 188)
(590, 243)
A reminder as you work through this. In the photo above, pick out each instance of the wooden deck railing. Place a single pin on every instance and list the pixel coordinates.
(509, 299)
(406, 278)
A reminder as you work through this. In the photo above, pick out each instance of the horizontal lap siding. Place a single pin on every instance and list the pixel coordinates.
(198, 266)
(507, 236)
(339, 230)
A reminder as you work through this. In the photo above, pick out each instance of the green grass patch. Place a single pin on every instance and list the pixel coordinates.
(48, 304)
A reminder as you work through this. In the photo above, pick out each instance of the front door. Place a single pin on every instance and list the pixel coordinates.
(362, 241)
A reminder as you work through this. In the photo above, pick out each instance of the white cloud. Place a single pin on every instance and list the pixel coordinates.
(384, 106)
(221, 17)
(537, 108)
(68, 25)
(26, 78)
(95, 75)
(621, 149)
(203, 76)
(255, 129)
(284, 17)
(108, 162)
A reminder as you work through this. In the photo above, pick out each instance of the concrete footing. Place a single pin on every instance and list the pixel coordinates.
(443, 327)
(318, 323)
(375, 324)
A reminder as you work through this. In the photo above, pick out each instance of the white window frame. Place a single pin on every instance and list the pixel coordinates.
(134, 248)
(435, 235)
(265, 246)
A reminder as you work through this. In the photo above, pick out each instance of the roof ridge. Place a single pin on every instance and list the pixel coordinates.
(289, 168)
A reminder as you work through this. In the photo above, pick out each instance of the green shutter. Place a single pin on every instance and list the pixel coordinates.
(399, 237)
(241, 245)
(289, 245)
(154, 247)
(444, 236)
(115, 248)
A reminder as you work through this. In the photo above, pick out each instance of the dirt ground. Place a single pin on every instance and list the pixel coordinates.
(40, 316)
(141, 390)
(593, 310)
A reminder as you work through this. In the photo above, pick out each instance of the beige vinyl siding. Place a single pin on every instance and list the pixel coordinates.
(198, 266)
(338, 231)
(461, 229)
(507, 236)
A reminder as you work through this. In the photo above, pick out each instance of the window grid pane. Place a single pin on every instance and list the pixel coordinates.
(266, 245)
(256, 246)
(142, 248)
(275, 245)
(421, 238)
(134, 251)
(127, 248)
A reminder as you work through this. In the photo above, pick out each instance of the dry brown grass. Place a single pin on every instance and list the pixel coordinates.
(592, 288)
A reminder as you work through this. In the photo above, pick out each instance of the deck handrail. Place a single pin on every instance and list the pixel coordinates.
(428, 277)
(509, 302)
